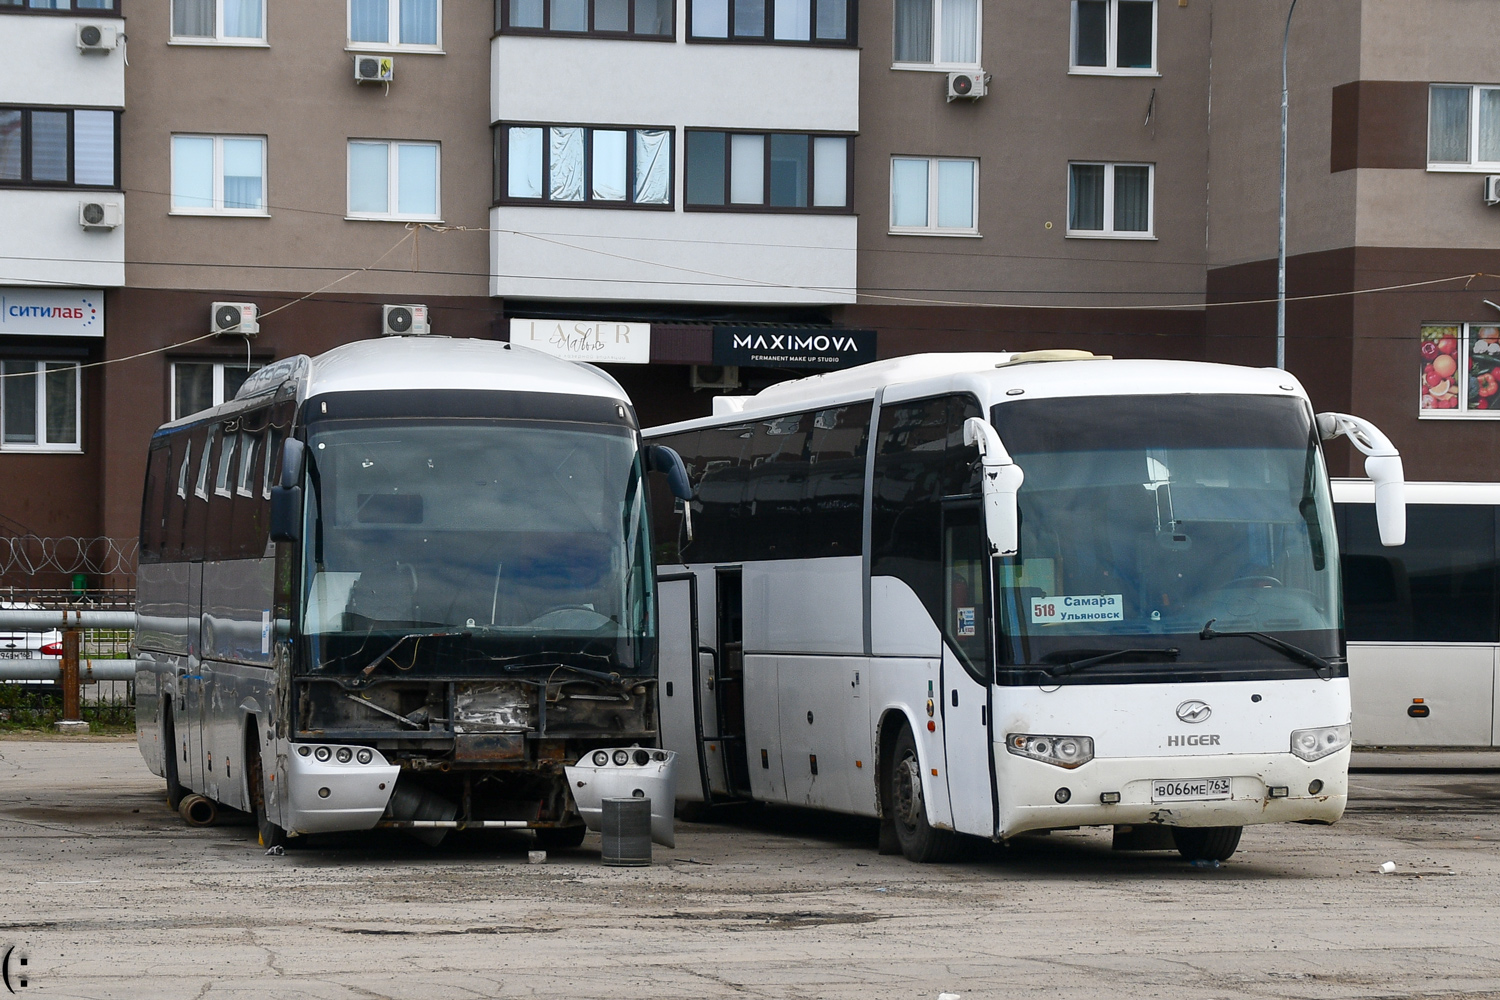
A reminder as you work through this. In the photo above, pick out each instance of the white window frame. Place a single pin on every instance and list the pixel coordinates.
(1111, 45)
(393, 182)
(42, 445)
(218, 179)
(1465, 409)
(392, 34)
(218, 381)
(937, 43)
(1108, 232)
(218, 37)
(1474, 166)
(932, 228)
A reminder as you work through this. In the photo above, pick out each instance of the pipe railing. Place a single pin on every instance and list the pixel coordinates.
(72, 670)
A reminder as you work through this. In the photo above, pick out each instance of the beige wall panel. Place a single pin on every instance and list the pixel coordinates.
(1035, 120)
(1246, 142)
(1417, 208)
(1452, 41)
(300, 93)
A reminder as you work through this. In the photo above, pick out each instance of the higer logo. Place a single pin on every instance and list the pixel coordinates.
(1195, 740)
(1194, 712)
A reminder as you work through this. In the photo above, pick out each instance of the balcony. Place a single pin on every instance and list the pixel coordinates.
(44, 66)
(41, 241)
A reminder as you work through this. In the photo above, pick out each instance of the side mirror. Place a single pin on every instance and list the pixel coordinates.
(286, 513)
(293, 460)
(660, 458)
(1382, 465)
(1000, 480)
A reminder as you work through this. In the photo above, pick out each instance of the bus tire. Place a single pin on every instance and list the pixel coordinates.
(269, 833)
(919, 840)
(558, 838)
(175, 792)
(1207, 843)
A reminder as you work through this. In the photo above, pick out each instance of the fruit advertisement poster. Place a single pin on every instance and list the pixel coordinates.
(1460, 368)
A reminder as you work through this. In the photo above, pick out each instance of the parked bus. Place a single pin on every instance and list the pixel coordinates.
(987, 594)
(1423, 620)
(402, 584)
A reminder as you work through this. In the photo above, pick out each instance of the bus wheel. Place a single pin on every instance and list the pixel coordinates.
(557, 838)
(919, 840)
(1207, 843)
(175, 792)
(271, 835)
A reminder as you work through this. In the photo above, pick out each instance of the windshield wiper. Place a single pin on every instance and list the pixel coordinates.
(1306, 657)
(419, 636)
(1073, 666)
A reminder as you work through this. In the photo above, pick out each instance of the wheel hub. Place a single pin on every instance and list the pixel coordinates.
(908, 792)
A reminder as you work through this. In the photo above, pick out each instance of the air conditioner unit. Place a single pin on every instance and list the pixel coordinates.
(238, 318)
(1492, 190)
(374, 69)
(97, 38)
(715, 377)
(99, 214)
(968, 86)
(404, 321)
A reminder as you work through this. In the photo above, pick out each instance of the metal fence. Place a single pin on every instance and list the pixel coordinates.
(31, 651)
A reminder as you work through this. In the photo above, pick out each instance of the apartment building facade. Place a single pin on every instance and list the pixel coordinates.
(709, 195)
(62, 252)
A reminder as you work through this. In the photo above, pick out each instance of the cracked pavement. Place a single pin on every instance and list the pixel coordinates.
(113, 897)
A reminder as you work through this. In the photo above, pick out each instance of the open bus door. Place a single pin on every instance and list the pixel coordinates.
(968, 657)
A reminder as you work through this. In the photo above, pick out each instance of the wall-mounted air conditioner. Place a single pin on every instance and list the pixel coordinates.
(715, 377)
(99, 214)
(404, 321)
(967, 86)
(374, 69)
(1492, 190)
(97, 38)
(237, 318)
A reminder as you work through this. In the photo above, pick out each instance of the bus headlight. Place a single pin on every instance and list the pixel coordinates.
(364, 756)
(1064, 751)
(323, 753)
(600, 758)
(1315, 744)
(345, 755)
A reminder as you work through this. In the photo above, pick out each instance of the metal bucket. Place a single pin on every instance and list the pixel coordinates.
(625, 828)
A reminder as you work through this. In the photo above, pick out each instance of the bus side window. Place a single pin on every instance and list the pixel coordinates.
(836, 481)
(906, 519)
(251, 518)
(772, 523)
(195, 520)
(154, 502)
(718, 520)
(667, 530)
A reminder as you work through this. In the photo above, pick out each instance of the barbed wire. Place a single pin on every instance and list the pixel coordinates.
(33, 555)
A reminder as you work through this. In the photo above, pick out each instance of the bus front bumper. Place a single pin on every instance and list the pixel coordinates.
(1263, 788)
(328, 796)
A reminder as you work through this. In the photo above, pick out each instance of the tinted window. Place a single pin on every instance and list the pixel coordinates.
(834, 522)
(919, 459)
(774, 525)
(1441, 586)
(154, 501)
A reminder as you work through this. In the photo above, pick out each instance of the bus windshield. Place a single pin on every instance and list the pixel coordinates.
(1149, 516)
(504, 541)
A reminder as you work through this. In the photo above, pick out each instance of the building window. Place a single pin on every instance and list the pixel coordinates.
(780, 22)
(59, 6)
(768, 172)
(584, 166)
(934, 195)
(607, 18)
(1111, 200)
(940, 34)
(394, 180)
(59, 147)
(218, 175)
(1460, 370)
(387, 24)
(1463, 128)
(1114, 36)
(229, 22)
(39, 405)
(198, 385)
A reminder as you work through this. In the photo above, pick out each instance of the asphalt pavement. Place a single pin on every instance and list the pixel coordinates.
(112, 896)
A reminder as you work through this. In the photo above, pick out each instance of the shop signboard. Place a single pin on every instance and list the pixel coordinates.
(594, 341)
(52, 312)
(822, 349)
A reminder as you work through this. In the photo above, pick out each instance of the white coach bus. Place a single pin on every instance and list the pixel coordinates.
(402, 584)
(987, 594)
(1423, 620)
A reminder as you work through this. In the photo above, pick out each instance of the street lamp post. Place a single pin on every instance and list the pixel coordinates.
(1281, 230)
